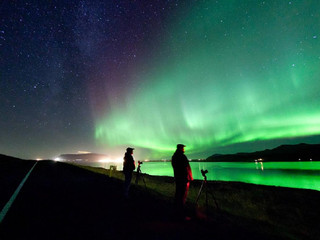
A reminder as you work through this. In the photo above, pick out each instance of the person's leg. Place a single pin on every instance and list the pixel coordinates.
(127, 182)
(180, 198)
(185, 192)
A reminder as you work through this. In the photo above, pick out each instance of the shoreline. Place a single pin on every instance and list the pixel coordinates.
(283, 174)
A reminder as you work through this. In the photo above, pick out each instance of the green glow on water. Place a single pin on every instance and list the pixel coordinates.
(219, 77)
(286, 174)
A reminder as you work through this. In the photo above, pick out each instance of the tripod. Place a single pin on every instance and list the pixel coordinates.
(138, 175)
(204, 185)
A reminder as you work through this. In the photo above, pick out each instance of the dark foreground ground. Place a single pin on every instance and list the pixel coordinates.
(61, 201)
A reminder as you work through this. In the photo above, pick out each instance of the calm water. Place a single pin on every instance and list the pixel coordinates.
(286, 174)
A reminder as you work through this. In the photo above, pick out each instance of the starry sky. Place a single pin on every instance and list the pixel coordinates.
(98, 76)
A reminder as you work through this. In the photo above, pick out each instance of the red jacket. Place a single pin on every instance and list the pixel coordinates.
(181, 167)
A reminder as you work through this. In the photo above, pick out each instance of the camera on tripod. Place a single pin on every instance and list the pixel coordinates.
(139, 174)
(204, 184)
(204, 172)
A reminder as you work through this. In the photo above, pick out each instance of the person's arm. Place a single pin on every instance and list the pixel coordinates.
(190, 178)
(133, 165)
(188, 169)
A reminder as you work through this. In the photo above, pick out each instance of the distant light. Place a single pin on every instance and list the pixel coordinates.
(107, 160)
(39, 159)
(83, 152)
(57, 159)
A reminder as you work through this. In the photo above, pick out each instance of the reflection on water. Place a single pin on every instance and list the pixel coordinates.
(286, 174)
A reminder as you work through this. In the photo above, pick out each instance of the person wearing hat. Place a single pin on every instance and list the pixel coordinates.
(128, 167)
(182, 177)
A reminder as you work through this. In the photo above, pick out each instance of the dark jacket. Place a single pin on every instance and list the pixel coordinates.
(181, 167)
(128, 163)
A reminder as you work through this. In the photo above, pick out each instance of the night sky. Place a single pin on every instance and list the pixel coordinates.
(219, 76)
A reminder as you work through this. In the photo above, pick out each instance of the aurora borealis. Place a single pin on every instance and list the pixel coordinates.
(218, 76)
(226, 73)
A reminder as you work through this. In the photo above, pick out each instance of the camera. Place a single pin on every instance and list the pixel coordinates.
(204, 172)
(139, 162)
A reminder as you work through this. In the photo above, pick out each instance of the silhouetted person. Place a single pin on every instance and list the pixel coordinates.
(128, 167)
(182, 177)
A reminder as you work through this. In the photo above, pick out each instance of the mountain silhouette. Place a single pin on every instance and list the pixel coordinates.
(283, 153)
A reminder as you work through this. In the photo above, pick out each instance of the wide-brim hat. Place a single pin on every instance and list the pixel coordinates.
(130, 149)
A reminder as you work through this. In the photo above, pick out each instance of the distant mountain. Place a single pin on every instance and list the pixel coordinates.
(283, 153)
(87, 157)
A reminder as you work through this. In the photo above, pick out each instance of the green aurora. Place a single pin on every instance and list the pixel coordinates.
(221, 74)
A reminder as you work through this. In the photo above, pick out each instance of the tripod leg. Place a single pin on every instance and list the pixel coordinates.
(144, 182)
(145, 185)
(199, 193)
(206, 189)
(137, 178)
(215, 201)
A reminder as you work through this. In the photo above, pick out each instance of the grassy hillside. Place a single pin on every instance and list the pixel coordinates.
(286, 212)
